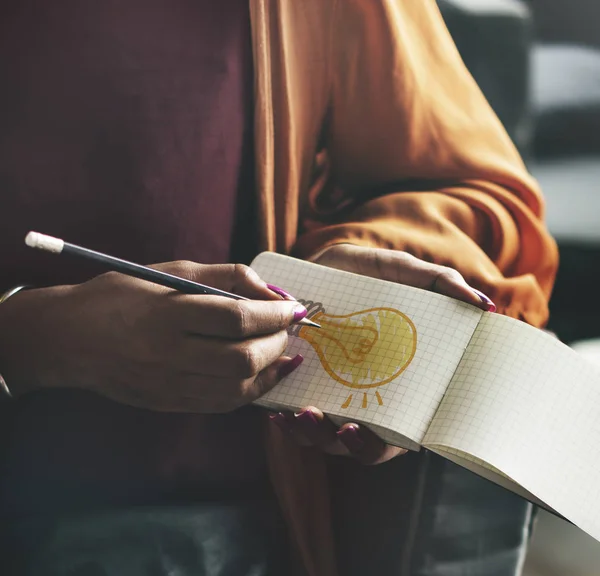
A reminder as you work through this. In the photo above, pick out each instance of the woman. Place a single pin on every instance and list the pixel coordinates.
(347, 132)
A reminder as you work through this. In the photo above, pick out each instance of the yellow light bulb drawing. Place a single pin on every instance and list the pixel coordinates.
(363, 350)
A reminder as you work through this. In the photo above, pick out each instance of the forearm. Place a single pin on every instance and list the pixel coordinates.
(505, 252)
(420, 163)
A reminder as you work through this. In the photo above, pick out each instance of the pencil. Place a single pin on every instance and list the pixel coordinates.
(58, 246)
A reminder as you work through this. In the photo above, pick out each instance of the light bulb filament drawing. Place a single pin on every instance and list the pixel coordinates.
(362, 350)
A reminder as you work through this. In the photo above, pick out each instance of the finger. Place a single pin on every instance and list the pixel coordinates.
(404, 268)
(310, 427)
(301, 428)
(220, 394)
(271, 376)
(364, 446)
(451, 283)
(228, 358)
(351, 440)
(488, 304)
(234, 319)
(236, 278)
(283, 420)
(391, 265)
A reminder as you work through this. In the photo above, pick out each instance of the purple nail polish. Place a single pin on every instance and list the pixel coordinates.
(290, 366)
(491, 307)
(307, 420)
(281, 421)
(280, 292)
(350, 437)
(299, 313)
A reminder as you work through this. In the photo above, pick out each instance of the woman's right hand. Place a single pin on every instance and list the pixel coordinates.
(147, 346)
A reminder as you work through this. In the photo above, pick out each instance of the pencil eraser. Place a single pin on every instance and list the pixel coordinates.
(43, 242)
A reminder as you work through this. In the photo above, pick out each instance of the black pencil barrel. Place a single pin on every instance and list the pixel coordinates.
(145, 273)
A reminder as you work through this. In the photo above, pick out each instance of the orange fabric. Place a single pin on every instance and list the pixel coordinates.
(369, 130)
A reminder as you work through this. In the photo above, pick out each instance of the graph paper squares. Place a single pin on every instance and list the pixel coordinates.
(444, 328)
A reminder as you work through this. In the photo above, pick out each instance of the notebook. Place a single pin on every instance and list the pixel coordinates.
(490, 393)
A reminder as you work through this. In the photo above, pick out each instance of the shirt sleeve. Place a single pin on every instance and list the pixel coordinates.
(416, 160)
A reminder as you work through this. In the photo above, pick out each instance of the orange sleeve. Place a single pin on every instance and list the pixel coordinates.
(418, 161)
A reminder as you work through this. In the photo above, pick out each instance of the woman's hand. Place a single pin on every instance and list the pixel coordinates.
(147, 346)
(310, 427)
(403, 268)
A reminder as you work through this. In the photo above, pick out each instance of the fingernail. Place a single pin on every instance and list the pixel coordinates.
(350, 437)
(280, 292)
(299, 313)
(281, 421)
(491, 307)
(290, 366)
(307, 420)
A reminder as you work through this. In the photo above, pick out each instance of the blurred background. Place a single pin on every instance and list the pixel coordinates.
(538, 63)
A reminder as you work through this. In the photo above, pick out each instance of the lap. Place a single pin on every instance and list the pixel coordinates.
(418, 515)
(205, 540)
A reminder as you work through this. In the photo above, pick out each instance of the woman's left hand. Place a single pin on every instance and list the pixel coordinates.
(309, 426)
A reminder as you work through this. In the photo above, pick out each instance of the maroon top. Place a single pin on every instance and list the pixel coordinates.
(124, 128)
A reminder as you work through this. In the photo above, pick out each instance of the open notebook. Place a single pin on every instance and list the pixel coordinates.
(501, 398)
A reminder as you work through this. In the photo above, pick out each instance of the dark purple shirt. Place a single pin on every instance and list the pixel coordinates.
(124, 127)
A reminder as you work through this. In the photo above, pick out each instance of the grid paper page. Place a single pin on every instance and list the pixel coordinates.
(529, 406)
(368, 347)
(488, 472)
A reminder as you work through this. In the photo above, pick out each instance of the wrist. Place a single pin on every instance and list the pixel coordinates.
(3, 298)
(25, 338)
